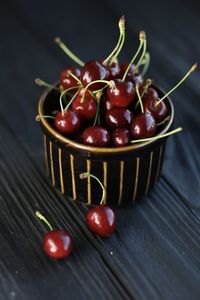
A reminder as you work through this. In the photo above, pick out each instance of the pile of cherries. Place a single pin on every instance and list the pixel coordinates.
(107, 103)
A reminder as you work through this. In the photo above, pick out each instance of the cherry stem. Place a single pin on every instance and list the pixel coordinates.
(40, 82)
(192, 69)
(61, 96)
(71, 100)
(146, 64)
(91, 83)
(75, 77)
(86, 175)
(142, 39)
(164, 121)
(143, 52)
(68, 52)
(119, 42)
(42, 218)
(38, 118)
(98, 97)
(158, 136)
(139, 97)
(147, 85)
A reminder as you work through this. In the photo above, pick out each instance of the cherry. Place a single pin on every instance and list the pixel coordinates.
(136, 79)
(56, 243)
(121, 137)
(93, 71)
(105, 103)
(151, 93)
(67, 122)
(85, 108)
(123, 68)
(101, 219)
(143, 126)
(118, 117)
(121, 93)
(159, 112)
(68, 80)
(114, 70)
(96, 136)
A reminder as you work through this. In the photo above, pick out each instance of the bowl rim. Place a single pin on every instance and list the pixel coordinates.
(67, 142)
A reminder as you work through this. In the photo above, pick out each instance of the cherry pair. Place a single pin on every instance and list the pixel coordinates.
(101, 220)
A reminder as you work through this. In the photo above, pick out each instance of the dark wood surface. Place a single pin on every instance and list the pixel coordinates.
(155, 252)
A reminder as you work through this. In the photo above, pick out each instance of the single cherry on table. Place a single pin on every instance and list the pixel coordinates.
(100, 219)
(57, 243)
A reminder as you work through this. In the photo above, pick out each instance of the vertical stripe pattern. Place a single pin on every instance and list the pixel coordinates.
(149, 173)
(46, 156)
(105, 165)
(121, 181)
(73, 177)
(136, 178)
(62, 189)
(52, 164)
(88, 182)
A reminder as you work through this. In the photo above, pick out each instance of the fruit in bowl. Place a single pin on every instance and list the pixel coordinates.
(108, 117)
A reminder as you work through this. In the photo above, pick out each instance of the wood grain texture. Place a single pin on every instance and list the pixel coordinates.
(155, 252)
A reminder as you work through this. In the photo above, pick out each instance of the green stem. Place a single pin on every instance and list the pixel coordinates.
(38, 118)
(146, 64)
(41, 217)
(69, 52)
(98, 97)
(40, 82)
(86, 175)
(192, 69)
(71, 100)
(143, 53)
(139, 97)
(61, 96)
(164, 121)
(142, 39)
(158, 136)
(74, 76)
(121, 32)
(91, 83)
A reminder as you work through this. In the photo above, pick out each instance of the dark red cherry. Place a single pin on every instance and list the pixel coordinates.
(68, 123)
(68, 81)
(121, 93)
(114, 70)
(92, 71)
(118, 117)
(96, 136)
(151, 93)
(101, 220)
(57, 244)
(143, 126)
(123, 68)
(121, 137)
(159, 112)
(105, 103)
(85, 108)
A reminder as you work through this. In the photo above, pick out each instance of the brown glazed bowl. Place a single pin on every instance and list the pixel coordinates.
(128, 173)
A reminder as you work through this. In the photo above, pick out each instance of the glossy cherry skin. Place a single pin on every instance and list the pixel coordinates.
(69, 123)
(68, 81)
(96, 136)
(114, 70)
(151, 93)
(143, 126)
(123, 68)
(105, 103)
(136, 79)
(118, 117)
(121, 137)
(86, 109)
(159, 112)
(92, 71)
(58, 244)
(121, 93)
(101, 220)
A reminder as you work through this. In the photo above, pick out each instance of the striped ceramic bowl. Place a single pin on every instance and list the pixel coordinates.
(128, 173)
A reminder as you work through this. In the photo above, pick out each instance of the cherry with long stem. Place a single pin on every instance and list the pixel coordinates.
(147, 85)
(75, 77)
(142, 38)
(68, 52)
(94, 82)
(192, 69)
(57, 243)
(119, 44)
(101, 219)
(179, 129)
